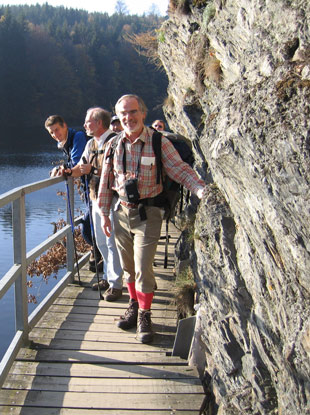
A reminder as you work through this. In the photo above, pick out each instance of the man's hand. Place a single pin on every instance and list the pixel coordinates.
(66, 171)
(57, 171)
(85, 168)
(106, 225)
(202, 192)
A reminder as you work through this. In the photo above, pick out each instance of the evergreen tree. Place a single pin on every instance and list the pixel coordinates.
(58, 60)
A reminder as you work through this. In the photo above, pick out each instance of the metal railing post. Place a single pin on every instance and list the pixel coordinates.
(19, 247)
(69, 245)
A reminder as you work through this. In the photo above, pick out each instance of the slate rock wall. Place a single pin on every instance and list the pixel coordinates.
(239, 89)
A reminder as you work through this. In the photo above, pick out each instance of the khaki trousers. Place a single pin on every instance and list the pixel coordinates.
(136, 242)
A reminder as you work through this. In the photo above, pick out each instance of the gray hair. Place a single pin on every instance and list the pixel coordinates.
(99, 113)
(141, 103)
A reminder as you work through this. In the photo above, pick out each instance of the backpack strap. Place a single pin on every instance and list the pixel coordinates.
(110, 155)
(156, 143)
(93, 150)
(109, 137)
(113, 145)
(94, 147)
(69, 144)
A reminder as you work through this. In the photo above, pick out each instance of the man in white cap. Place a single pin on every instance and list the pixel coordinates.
(116, 125)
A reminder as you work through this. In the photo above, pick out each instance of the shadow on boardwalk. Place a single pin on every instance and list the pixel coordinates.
(79, 362)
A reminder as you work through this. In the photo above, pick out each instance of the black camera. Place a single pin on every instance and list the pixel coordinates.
(131, 189)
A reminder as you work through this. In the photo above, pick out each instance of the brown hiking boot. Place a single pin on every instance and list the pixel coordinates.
(113, 294)
(129, 319)
(144, 330)
(103, 285)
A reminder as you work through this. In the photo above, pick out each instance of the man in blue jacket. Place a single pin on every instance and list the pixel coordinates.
(72, 142)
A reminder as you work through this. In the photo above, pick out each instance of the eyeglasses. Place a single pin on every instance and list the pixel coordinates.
(125, 113)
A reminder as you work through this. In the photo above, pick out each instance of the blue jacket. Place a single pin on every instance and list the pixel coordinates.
(74, 146)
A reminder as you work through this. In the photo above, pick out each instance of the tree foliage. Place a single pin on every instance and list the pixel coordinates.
(59, 60)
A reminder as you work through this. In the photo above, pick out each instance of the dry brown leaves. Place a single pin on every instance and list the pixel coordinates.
(55, 258)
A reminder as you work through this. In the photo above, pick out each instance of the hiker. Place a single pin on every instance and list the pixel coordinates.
(97, 124)
(159, 125)
(72, 142)
(115, 125)
(129, 170)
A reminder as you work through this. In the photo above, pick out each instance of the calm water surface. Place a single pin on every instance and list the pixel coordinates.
(42, 208)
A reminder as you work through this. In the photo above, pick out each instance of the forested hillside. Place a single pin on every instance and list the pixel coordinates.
(58, 60)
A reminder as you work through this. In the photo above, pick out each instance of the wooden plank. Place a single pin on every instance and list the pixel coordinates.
(87, 302)
(45, 336)
(101, 370)
(50, 333)
(100, 345)
(104, 327)
(105, 311)
(106, 385)
(75, 291)
(63, 323)
(9, 410)
(103, 401)
(164, 298)
(103, 319)
(86, 356)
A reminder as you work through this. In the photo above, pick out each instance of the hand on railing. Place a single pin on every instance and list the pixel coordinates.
(57, 171)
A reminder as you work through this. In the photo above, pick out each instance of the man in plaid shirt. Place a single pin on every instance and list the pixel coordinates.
(129, 169)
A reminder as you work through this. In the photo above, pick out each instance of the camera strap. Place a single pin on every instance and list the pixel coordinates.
(141, 207)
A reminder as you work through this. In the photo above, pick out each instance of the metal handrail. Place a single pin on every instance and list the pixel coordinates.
(17, 274)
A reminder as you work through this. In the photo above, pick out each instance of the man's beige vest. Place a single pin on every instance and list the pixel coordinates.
(96, 160)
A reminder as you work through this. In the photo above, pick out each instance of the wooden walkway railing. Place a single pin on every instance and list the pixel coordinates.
(80, 363)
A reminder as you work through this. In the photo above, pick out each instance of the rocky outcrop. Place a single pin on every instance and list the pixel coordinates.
(239, 88)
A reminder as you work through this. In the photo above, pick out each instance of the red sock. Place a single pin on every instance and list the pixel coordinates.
(131, 286)
(145, 300)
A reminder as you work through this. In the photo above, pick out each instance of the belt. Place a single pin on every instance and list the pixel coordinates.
(128, 204)
(158, 201)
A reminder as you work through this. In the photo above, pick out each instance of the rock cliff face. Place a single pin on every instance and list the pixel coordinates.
(239, 88)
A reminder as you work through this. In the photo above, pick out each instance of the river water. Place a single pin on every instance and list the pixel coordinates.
(42, 208)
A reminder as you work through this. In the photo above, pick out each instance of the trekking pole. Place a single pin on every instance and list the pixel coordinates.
(92, 230)
(72, 229)
(166, 244)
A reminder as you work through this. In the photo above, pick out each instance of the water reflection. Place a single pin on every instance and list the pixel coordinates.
(6, 219)
(27, 160)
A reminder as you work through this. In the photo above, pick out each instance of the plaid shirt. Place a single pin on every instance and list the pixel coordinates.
(113, 179)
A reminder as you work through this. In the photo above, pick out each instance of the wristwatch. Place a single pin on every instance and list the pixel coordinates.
(95, 171)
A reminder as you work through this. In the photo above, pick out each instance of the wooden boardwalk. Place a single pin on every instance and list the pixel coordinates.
(80, 363)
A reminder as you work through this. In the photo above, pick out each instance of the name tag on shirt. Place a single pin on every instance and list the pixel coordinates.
(147, 161)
